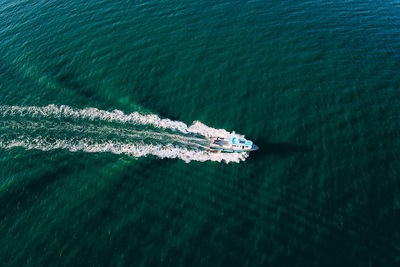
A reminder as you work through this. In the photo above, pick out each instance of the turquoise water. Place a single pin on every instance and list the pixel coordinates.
(105, 110)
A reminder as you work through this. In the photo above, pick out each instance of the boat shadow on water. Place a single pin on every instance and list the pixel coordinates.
(282, 148)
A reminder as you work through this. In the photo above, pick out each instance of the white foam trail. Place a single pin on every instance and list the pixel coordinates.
(115, 115)
(191, 147)
(93, 114)
(135, 150)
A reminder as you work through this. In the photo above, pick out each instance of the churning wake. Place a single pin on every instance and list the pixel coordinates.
(93, 130)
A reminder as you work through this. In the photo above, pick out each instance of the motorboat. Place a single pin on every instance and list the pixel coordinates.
(231, 144)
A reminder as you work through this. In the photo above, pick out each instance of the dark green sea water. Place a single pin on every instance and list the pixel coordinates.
(99, 168)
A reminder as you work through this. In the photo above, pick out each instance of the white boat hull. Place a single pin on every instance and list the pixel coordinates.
(230, 145)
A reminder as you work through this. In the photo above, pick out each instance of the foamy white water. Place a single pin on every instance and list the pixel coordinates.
(135, 150)
(115, 115)
(188, 147)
